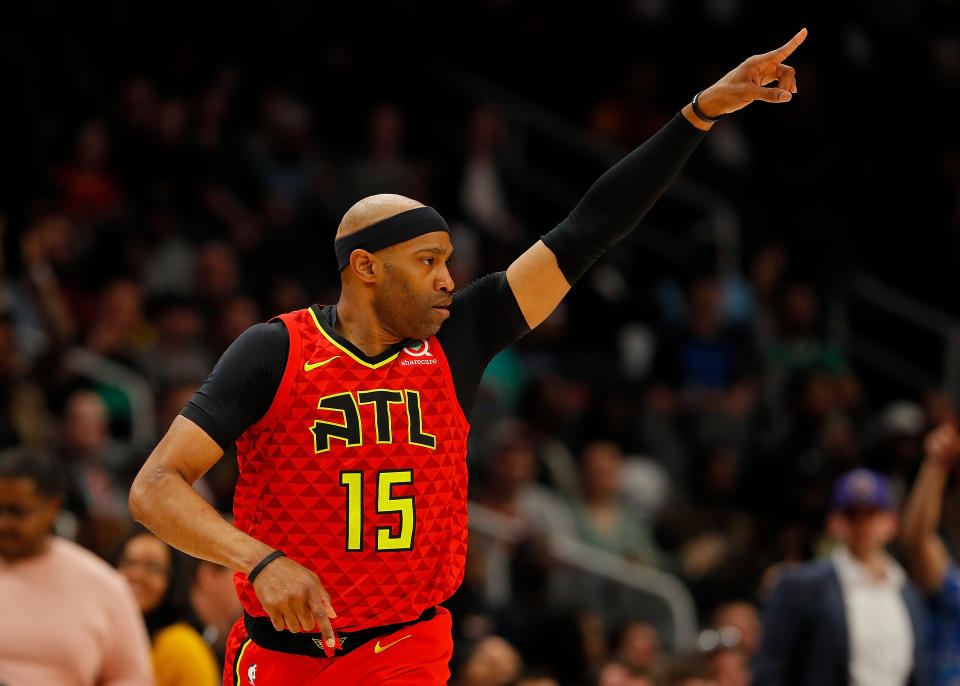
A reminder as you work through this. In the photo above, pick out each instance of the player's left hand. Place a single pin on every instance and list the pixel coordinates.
(749, 81)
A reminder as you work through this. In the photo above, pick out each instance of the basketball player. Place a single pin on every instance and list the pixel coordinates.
(350, 422)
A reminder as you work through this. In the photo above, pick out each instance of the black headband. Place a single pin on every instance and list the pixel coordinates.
(392, 230)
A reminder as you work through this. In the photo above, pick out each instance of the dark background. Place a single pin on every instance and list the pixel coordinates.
(173, 173)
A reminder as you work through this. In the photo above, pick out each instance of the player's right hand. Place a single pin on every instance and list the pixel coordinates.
(942, 445)
(749, 81)
(295, 599)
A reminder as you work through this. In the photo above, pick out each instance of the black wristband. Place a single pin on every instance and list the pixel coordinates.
(255, 572)
(697, 111)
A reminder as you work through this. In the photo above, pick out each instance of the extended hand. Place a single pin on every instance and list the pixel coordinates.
(294, 598)
(747, 82)
(942, 445)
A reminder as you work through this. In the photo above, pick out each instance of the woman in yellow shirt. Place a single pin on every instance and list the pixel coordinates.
(156, 574)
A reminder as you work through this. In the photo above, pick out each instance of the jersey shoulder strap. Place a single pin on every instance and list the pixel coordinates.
(291, 320)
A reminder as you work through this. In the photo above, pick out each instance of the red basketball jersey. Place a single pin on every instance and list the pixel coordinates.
(358, 472)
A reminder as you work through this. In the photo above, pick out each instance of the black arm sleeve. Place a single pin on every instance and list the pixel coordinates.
(618, 200)
(242, 385)
(484, 319)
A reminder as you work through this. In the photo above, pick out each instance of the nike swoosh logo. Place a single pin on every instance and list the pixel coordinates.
(307, 366)
(379, 648)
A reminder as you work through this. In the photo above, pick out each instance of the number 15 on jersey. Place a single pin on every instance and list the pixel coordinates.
(387, 504)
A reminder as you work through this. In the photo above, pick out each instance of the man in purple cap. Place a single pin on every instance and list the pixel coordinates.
(851, 619)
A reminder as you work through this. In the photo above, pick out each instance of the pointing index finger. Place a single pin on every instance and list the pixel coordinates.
(782, 53)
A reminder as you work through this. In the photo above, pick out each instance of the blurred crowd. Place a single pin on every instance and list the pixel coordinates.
(672, 412)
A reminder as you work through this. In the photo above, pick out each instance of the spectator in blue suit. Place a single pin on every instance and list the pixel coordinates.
(851, 619)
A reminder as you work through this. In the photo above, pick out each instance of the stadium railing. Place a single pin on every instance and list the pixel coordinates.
(907, 341)
(619, 590)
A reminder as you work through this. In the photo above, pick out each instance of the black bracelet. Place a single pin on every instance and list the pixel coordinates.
(255, 572)
(697, 111)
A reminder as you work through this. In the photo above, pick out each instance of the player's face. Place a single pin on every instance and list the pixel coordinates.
(413, 295)
(145, 563)
(26, 518)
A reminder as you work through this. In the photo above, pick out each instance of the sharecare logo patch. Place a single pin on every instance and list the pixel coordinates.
(421, 352)
(418, 349)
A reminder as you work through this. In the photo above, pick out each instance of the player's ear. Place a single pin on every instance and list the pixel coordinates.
(365, 265)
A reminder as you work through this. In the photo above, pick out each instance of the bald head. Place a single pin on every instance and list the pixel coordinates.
(392, 253)
(373, 209)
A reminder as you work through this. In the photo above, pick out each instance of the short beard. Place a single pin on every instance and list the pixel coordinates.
(400, 310)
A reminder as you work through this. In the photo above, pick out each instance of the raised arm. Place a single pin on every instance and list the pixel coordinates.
(926, 553)
(613, 206)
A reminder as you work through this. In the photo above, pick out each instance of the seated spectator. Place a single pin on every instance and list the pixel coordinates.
(216, 279)
(929, 561)
(536, 678)
(851, 619)
(491, 661)
(800, 343)
(283, 152)
(741, 615)
(687, 671)
(384, 167)
(618, 673)
(509, 485)
(805, 453)
(214, 602)
(767, 268)
(725, 658)
(898, 444)
(711, 529)
(94, 464)
(178, 353)
(599, 515)
(702, 383)
(704, 367)
(157, 577)
(23, 412)
(87, 444)
(237, 314)
(646, 484)
(40, 301)
(89, 189)
(728, 666)
(119, 330)
(571, 643)
(637, 645)
(485, 194)
(68, 618)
